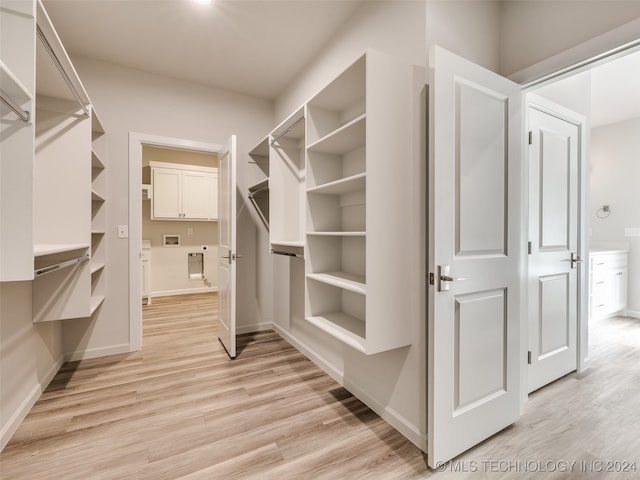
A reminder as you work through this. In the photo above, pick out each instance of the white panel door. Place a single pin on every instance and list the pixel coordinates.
(227, 255)
(554, 153)
(474, 248)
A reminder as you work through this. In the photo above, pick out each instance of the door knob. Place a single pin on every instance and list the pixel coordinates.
(444, 278)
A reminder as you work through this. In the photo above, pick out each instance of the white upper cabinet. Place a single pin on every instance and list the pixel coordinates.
(184, 192)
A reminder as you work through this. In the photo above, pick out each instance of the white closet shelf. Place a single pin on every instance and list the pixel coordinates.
(346, 281)
(96, 196)
(354, 183)
(96, 301)
(343, 140)
(339, 234)
(286, 243)
(96, 162)
(96, 124)
(344, 327)
(98, 232)
(96, 268)
(40, 250)
(261, 151)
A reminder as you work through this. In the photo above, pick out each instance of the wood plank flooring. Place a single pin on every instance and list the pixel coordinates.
(181, 409)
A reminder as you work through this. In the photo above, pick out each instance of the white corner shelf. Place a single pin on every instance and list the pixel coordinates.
(345, 328)
(42, 250)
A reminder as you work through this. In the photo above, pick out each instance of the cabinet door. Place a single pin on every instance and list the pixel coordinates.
(213, 206)
(197, 189)
(619, 300)
(167, 201)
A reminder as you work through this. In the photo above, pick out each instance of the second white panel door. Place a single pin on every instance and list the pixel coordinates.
(554, 153)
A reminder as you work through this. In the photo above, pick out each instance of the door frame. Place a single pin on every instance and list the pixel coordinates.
(136, 142)
(604, 48)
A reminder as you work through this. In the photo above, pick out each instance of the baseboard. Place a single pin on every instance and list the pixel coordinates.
(632, 314)
(185, 291)
(387, 413)
(97, 352)
(256, 327)
(18, 416)
(329, 369)
(390, 415)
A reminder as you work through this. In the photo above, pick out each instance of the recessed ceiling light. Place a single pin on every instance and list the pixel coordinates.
(203, 2)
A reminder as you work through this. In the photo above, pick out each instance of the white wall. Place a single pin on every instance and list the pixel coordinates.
(129, 100)
(392, 383)
(30, 355)
(469, 28)
(615, 172)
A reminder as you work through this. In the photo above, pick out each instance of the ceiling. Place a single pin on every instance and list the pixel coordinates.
(254, 47)
(615, 90)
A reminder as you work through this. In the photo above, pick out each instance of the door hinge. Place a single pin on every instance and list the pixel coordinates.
(530, 137)
(432, 279)
(529, 357)
(529, 247)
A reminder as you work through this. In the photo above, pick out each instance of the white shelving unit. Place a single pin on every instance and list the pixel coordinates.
(64, 197)
(287, 185)
(359, 139)
(17, 81)
(98, 213)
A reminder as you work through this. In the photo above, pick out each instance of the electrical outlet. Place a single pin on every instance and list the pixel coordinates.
(189, 231)
(632, 232)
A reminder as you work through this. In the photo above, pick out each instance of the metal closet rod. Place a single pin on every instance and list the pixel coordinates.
(293, 125)
(9, 102)
(57, 266)
(62, 71)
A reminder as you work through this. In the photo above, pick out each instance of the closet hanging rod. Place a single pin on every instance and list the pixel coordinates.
(62, 71)
(293, 125)
(288, 254)
(258, 191)
(57, 266)
(9, 102)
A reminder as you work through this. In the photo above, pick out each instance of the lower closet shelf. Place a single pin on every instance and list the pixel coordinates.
(345, 328)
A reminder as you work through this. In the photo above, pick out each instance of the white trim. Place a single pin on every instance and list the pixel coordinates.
(21, 412)
(600, 49)
(183, 291)
(97, 352)
(256, 327)
(136, 141)
(631, 313)
(388, 414)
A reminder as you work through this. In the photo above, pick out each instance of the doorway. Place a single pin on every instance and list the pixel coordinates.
(137, 144)
(606, 92)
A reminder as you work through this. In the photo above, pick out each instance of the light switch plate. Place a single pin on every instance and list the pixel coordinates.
(123, 231)
(632, 232)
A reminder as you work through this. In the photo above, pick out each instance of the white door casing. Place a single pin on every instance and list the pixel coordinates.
(475, 147)
(554, 229)
(227, 254)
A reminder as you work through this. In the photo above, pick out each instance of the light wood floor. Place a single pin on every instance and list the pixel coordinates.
(181, 409)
